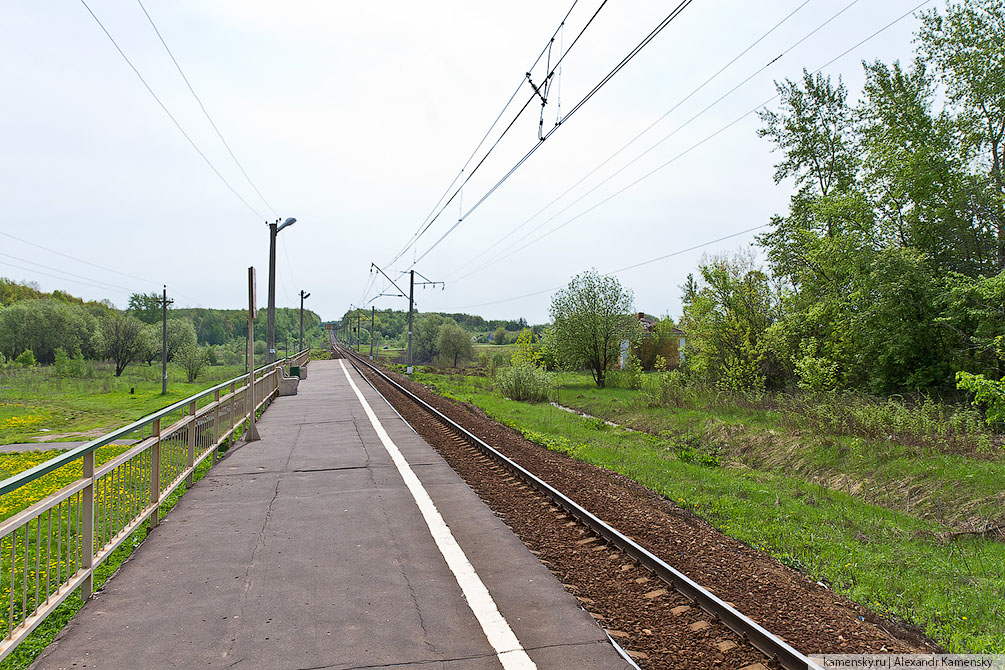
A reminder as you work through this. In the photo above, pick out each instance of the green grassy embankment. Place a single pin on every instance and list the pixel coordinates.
(878, 520)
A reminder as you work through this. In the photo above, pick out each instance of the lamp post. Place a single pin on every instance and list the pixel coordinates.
(303, 296)
(270, 327)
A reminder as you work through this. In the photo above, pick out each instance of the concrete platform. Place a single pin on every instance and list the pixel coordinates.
(306, 550)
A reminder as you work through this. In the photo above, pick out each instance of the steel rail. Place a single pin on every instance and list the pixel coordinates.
(759, 637)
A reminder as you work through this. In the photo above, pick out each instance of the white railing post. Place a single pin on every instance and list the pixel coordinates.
(192, 428)
(216, 424)
(155, 474)
(87, 533)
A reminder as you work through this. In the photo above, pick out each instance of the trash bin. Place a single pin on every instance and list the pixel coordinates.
(295, 371)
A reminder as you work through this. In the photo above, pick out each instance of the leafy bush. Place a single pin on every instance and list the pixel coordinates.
(498, 361)
(526, 352)
(192, 358)
(815, 372)
(985, 390)
(71, 367)
(26, 359)
(630, 377)
(524, 382)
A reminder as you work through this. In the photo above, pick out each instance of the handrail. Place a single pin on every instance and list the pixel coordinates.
(20, 479)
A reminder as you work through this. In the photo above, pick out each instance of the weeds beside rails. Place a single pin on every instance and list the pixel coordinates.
(929, 424)
(926, 423)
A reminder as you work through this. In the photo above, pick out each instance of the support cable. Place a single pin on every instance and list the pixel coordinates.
(495, 122)
(607, 78)
(203, 108)
(633, 140)
(481, 162)
(166, 111)
(504, 255)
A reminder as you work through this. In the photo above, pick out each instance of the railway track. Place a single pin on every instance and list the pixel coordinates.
(661, 616)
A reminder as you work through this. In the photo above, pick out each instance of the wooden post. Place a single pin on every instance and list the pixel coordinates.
(155, 474)
(252, 434)
(216, 424)
(192, 429)
(87, 538)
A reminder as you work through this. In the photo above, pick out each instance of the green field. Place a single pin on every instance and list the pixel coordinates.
(38, 405)
(879, 521)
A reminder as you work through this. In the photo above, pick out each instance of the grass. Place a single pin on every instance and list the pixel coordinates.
(814, 500)
(29, 649)
(38, 405)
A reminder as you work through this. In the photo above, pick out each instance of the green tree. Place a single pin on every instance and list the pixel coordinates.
(192, 359)
(180, 333)
(43, 325)
(455, 343)
(499, 336)
(146, 307)
(425, 335)
(592, 316)
(125, 340)
(965, 46)
(727, 314)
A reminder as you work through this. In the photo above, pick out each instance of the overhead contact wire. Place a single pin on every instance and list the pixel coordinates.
(625, 146)
(610, 75)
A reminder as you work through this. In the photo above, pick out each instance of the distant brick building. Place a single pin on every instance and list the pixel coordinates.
(651, 346)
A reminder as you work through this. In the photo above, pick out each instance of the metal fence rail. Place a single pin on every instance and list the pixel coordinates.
(53, 545)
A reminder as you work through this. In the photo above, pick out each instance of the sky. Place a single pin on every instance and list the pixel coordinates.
(355, 118)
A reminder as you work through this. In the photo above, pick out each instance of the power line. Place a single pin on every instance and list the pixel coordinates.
(680, 155)
(166, 111)
(481, 162)
(79, 260)
(607, 78)
(485, 137)
(72, 281)
(203, 107)
(46, 267)
(635, 139)
(730, 124)
(630, 267)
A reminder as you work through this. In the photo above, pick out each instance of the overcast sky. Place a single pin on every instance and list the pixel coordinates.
(355, 117)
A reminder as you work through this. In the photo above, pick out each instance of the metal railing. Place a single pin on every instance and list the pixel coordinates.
(53, 545)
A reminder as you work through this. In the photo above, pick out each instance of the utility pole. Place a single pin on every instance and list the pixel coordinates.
(164, 341)
(411, 307)
(372, 308)
(359, 344)
(411, 304)
(303, 296)
(270, 326)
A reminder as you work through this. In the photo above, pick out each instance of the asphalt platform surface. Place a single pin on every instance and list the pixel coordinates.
(305, 550)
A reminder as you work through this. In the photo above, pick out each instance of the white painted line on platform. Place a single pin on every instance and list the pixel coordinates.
(508, 649)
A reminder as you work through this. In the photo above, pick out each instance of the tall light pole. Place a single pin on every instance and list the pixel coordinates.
(270, 327)
(303, 296)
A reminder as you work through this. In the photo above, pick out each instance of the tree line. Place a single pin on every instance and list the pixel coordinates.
(886, 273)
(48, 326)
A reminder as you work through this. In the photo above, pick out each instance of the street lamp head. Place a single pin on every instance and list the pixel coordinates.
(288, 222)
